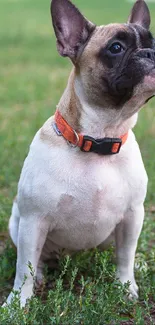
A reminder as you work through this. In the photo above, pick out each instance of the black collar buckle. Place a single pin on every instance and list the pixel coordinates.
(102, 146)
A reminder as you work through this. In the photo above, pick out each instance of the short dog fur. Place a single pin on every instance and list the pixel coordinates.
(72, 200)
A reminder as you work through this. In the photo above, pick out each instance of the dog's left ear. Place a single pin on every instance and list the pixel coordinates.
(71, 28)
(140, 14)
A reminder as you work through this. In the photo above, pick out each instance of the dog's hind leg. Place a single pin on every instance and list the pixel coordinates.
(50, 256)
(52, 264)
(14, 222)
(40, 274)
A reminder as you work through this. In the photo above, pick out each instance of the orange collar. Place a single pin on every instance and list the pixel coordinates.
(104, 146)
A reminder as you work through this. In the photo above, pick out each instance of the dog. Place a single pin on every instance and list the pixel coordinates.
(83, 179)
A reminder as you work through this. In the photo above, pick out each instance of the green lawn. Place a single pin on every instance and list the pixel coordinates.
(32, 78)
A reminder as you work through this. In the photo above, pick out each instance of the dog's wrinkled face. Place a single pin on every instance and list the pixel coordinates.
(113, 62)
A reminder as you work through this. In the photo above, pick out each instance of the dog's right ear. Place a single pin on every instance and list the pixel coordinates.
(72, 29)
(140, 14)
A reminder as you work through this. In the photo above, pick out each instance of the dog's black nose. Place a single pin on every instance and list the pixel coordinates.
(147, 54)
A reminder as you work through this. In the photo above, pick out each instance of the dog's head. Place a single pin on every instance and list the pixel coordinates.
(114, 63)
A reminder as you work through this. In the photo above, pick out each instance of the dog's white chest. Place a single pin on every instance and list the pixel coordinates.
(86, 209)
(84, 195)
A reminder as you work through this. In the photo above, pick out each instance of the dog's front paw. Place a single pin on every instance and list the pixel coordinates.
(23, 294)
(133, 291)
(10, 299)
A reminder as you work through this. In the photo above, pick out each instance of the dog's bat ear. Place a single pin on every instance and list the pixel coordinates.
(140, 14)
(72, 30)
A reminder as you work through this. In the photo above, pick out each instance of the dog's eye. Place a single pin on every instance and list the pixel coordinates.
(116, 48)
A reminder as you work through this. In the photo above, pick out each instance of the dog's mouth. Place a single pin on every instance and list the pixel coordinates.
(128, 84)
(149, 99)
(151, 76)
(149, 84)
(143, 92)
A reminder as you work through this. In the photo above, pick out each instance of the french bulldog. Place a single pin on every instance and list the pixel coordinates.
(83, 181)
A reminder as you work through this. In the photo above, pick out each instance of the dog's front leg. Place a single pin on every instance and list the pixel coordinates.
(31, 238)
(126, 236)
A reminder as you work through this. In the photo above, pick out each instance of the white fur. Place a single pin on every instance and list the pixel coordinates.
(72, 200)
(77, 200)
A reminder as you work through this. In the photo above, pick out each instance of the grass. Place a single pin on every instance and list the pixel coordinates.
(32, 78)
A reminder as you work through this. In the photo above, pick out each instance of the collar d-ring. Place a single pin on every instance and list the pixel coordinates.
(74, 145)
